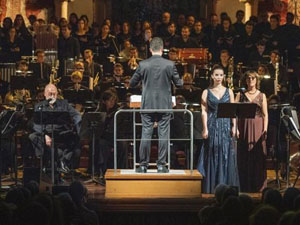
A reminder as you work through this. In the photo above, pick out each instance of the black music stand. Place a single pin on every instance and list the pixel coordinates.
(43, 117)
(8, 126)
(236, 110)
(92, 125)
(78, 96)
(290, 121)
(22, 82)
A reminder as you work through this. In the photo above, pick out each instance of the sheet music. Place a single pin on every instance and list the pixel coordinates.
(138, 98)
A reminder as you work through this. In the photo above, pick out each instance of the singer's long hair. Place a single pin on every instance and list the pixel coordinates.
(246, 75)
(211, 81)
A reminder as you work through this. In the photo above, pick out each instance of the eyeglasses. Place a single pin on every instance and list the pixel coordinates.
(250, 78)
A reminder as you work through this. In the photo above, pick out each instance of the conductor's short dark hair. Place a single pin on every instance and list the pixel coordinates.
(156, 44)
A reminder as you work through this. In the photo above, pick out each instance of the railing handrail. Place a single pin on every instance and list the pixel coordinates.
(154, 111)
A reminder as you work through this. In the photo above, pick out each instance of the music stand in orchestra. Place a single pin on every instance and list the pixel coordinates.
(43, 118)
(22, 82)
(78, 96)
(236, 110)
(290, 119)
(92, 125)
(8, 125)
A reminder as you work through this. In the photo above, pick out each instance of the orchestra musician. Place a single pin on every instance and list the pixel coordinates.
(107, 46)
(282, 75)
(191, 93)
(133, 61)
(173, 56)
(264, 76)
(124, 54)
(104, 144)
(76, 78)
(66, 134)
(91, 68)
(118, 74)
(226, 62)
(68, 47)
(41, 69)
(23, 95)
(144, 49)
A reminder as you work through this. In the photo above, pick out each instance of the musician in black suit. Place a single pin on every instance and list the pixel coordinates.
(41, 69)
(156, 75)
(68, 48)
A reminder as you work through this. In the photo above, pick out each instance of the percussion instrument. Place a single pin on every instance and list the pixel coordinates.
(193, 55)
(7, 70)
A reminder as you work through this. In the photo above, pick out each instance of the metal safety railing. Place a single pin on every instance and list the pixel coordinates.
(134, 139)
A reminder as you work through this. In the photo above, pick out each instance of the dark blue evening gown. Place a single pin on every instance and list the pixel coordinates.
(217, 161)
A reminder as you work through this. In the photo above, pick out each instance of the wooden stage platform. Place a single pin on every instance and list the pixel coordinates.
(175, 184)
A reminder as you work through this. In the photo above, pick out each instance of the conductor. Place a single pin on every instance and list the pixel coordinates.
(157, 75)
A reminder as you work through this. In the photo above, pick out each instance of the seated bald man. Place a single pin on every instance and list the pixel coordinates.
(68, 152)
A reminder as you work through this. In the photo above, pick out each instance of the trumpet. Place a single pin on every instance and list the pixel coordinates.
(132, 63)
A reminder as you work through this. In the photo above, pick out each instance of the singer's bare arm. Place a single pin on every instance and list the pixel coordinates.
(204, 114)
(233, 128)
(237, 99)
(265, 113)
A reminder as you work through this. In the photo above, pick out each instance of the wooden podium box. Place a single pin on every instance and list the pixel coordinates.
(175, 184)
(193, 55)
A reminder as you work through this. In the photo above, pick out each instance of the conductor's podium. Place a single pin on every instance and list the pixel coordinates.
(175, 184)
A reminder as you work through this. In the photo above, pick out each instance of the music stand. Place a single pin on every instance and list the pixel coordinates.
(290, 120)
(23, 82)
(236, 110)
(92, 125)
(43, 117)
(78, 96)
(8, 126)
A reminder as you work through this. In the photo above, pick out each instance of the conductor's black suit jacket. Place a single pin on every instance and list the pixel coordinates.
(157, 75)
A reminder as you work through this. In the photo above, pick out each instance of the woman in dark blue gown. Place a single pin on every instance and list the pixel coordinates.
(217, 161)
